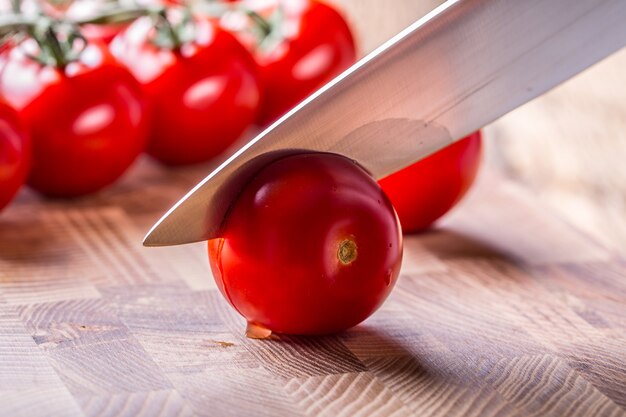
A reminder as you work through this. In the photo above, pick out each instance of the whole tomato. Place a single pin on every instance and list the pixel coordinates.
(14, 154)
(307, 43)
(204, 93)
(311, 245)
(87, 118)
(426, 190)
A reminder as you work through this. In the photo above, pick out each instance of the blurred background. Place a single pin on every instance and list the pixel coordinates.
(569, 145)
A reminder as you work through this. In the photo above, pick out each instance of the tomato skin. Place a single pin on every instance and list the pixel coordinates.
(277, 260)
(428, 189)
(317, 46)
(14, 154)
(203, 95)
(88, 121)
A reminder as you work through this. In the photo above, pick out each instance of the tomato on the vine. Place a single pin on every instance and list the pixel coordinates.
(304, 45)
(311, 245)
(14, 154)
(428, 189)
(204, 91)
(87, 118)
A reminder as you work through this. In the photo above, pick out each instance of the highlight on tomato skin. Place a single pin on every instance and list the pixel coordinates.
(14, 154)
(425, 191)
(311, 246)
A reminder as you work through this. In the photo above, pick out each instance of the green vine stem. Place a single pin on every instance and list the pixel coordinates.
(119, 15)
(58, 38)
(51, 40)
(262, 23)
(16, 6)
(173, 31)
(15, 23)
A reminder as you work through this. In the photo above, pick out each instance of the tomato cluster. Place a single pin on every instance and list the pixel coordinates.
(95, 86)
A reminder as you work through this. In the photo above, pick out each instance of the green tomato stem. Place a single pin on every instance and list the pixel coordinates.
(55, 48)
(261, 22)
(16, 6)
(15, 23)
(119, 15)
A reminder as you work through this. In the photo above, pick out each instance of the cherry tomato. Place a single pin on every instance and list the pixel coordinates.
(88, 120)
(426, 190)
(311, 245)
(313, 45)
(14, 154)
(204, 93)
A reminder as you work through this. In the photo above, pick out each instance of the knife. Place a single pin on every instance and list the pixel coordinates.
(453, 71)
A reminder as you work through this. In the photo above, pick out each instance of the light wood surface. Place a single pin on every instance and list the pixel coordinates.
(503, 310)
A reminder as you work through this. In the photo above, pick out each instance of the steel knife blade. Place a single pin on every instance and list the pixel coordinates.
(458, 68)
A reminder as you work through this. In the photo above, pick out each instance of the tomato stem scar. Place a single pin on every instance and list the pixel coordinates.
(347, 251)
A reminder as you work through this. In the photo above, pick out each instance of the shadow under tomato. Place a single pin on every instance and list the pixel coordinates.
(402, 352)
(384, 349)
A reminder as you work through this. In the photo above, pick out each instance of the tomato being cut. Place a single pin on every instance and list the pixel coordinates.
(204, 91)
(428, 189)
(306, 43)
(87, 118)
(311, 245)
(14, 154)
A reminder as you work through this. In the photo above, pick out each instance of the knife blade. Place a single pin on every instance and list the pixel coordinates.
(458, 68)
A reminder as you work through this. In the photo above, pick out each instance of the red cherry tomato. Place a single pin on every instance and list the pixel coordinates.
(88, 120)
(204, 94)
(312, 245)
(426, 190)
(14, 154)
(315, 45)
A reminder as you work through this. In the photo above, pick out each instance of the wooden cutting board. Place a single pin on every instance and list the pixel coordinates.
(503, 310)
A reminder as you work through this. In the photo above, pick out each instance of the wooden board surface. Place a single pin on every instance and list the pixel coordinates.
(504, 310)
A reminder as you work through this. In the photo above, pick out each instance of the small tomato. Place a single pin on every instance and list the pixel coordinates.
(87, 119)
(428, 189)
(311, 245)
(14, 154)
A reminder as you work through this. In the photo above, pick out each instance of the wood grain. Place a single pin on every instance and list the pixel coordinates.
(504, 309)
